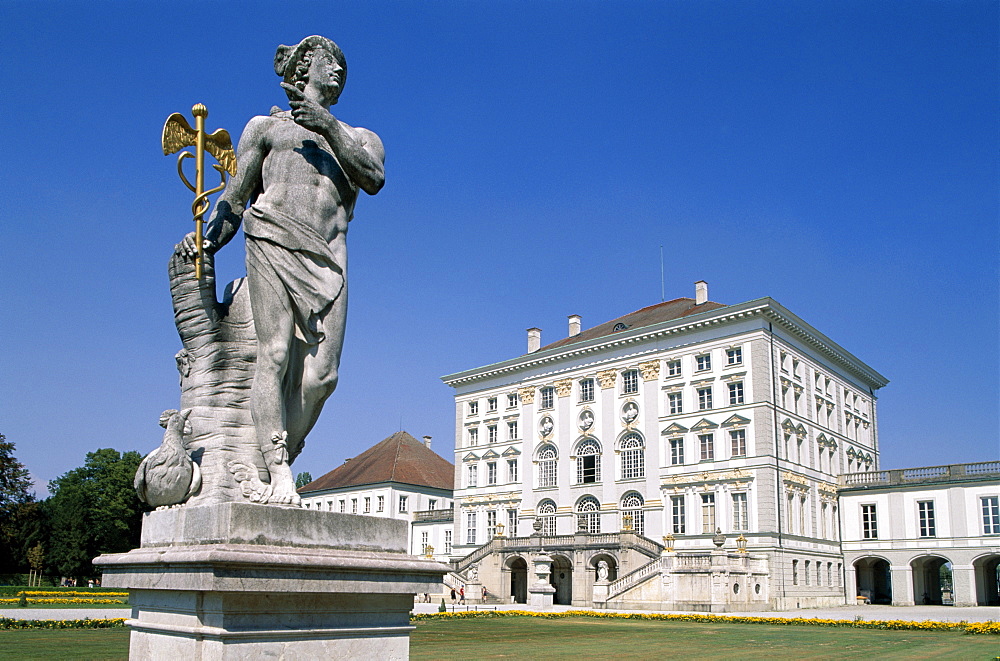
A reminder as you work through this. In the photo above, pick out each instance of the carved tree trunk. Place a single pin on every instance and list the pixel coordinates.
(216, 368)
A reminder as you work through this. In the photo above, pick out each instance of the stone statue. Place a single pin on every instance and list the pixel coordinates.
(473, 574)
(602, 570)
(300, 172)
(168, 476)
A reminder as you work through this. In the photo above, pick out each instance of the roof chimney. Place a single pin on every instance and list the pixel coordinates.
(700, 292)
(427, 442)
(574, 325)
(534, 339)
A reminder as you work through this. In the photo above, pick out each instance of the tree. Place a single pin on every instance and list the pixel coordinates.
(15, 482)
(17, 508)
(93, 509)
(302, 479)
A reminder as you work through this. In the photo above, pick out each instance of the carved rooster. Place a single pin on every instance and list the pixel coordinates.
(168, 476)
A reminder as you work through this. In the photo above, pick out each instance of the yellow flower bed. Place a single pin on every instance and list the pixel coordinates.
(927, 625)
(70, 593)
(69, 600)
(11, 623)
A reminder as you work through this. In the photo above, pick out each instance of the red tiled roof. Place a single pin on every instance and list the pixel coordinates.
(654, 314)
(399, 458)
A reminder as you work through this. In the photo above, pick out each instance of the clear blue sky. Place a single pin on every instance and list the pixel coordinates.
(839, 157)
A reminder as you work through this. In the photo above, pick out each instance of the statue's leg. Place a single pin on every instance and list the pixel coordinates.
(274, 324)
(319, 375)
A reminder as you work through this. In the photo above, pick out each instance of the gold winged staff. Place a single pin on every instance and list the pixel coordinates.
(178, 134)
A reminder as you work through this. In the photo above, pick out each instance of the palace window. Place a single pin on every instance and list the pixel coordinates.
(512, 400)
(707, 513)
(548, 394)
(588, 462)
(632, 505)
(925, 512)
(587, 390)
(343, 506)
(512, 523)
(806, 571)
(991, 514)
(447, 542)
(491, 433)
(704, 399)
(547, 467)
(473, 436)
(734, 356)
(675, 402)
(381, 504)
(368, 505)
(677, 526)
(354, 505)
(630, 382)
(703, 362)
(673, 368)
(741, 521)
(491, 524)
(738, 442)
(633, 456)
(473, 471)
(795, 572)
(735, 393)
(706, 446)
(474, 408)
(547, 515)
(424, 541)
(470, 528)
(512, 470)
(491, 404)
(676, 451)
(491, 472)
(869, 524)
(403, 500)
(588, 509)
(432, 504)
(512, 430)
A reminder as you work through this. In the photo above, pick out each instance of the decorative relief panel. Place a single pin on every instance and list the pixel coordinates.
(527, 395)
(545, 427)
(607, 378)
(630, 413)
(650, 370)
(563, 388)
(586, 420)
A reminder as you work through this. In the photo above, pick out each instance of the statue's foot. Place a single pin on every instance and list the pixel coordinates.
(283, 493)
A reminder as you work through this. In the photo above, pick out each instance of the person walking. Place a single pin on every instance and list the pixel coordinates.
(461, 595)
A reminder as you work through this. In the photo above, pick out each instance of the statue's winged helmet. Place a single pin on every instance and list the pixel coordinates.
(287, 59)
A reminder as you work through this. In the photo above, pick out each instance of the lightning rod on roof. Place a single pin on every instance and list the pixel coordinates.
(663, 296)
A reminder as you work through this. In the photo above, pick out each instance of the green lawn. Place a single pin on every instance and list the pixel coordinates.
(586, 638)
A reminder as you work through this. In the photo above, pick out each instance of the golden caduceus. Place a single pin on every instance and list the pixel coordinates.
(178, 134)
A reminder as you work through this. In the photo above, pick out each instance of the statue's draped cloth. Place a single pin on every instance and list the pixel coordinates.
(290, 256)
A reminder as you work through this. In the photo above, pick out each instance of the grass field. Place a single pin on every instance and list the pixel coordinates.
(586, 638)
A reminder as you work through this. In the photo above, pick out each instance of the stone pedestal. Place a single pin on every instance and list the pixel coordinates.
(244, 581)
(541, 593)
(473, 593)
(601, 594)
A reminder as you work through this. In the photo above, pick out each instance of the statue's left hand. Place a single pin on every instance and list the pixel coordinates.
(307, 113)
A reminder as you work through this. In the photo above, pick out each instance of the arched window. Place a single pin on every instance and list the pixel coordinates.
(588, 509)
(633, 456)
(588, 461)
(547, 466)
(547, 515)
(632, 506)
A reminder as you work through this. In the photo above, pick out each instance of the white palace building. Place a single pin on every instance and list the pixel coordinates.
(694, 455)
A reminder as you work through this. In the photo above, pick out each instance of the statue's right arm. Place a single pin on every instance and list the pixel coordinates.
(228, 213)
(232, 203)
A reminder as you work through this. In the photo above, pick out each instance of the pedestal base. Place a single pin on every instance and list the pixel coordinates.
(241, 581)
(541, 596)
